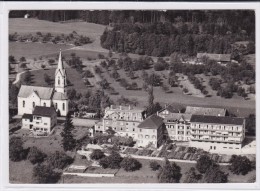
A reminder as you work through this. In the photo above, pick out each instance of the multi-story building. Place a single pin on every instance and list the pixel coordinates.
(41, 121)
(150, 132)
(177, 126)
(123, 120)
(206, 111)
(217, 134)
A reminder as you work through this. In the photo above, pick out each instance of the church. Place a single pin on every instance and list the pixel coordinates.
(31, 96)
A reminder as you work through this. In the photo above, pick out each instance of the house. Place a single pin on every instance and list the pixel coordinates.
(41, 121)
(220, 58)
(206, 111)
(150, 132)
(122, 119)
(31, 96)
(217, 134)
(168, 110)
(177, 127)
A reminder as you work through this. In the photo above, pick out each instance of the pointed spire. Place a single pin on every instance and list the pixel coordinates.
(60, 64)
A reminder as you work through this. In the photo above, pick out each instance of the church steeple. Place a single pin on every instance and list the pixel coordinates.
(60, 77)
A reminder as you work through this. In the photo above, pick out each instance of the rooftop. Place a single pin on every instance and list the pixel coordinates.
(216, 57)
(43, 92)
(124, 108)
(152, 122)
(217, 119)
(44, 111)
(171, 109)
(205, 111)
(59, 96)
(178, 116)
(27, 116)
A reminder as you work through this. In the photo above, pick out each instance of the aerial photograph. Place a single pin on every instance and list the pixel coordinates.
(132, 96)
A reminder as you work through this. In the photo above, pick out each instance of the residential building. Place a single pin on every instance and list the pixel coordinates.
(168, 110)
(217, 134)
(123, 120)
(177, 126)
(206, 111)
(150, 132)
(31, 96)
(41, 121)
(220, 58)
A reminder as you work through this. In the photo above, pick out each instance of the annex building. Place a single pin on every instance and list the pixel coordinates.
(206, 128)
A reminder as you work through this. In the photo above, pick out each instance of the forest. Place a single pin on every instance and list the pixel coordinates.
(160, 33)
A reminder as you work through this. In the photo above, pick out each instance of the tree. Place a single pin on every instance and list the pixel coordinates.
(35, 155)
(71, 93)
(97, 154)
(203, 163)
(170, 173)
(58, 160)
(12, 59)
(13, 93)
(68, 141)
(130, 164)
(47, 79)
(27, 78)
(240, 165)
(214, 175)
(45, 174)
(154, 165)
(112, 161)
(43, 66)
(192, 176)
(16, 150)
(22, 59)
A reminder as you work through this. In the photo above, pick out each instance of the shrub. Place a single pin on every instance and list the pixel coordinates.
(58, 160)
(97, 154)
(112, 161)
(16, 150)
(240, 165)
(35, 155)
(203, 163)
(101, 56)
(170, 173)
(154, 165)
(23, 65)
(45, 174)
(130, 164)
(213, 174)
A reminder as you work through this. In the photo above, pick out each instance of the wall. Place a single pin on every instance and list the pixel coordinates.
(60, 107)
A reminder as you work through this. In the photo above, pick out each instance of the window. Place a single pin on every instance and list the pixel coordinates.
(44, 104)
(33, 104)
(214, 147)
(58, 81)
(63, 106)
(56, 105)
(45, 123)
(133, 129)
(23, 103)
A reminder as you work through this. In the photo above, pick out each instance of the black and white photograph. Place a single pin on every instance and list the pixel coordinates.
(132, 96)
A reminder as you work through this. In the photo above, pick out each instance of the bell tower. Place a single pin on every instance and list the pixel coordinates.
(60, 77)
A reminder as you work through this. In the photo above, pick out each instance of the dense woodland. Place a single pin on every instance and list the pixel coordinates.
(159, 33)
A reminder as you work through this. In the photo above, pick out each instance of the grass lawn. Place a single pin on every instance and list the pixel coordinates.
(73, 77)
(20, 172)
(233, 178)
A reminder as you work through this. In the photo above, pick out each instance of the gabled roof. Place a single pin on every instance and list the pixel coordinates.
(27, 116)
(152, 122)
(43, 92)
(44, 111)
(216, 57)
(178, 116)
(171, 109)
(205, 111)
(217, 120)
(59, 96)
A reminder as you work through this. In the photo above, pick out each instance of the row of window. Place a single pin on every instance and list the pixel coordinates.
(217, 127)
(44, 104)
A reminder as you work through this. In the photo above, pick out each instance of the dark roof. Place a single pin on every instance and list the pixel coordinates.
(217, 119)
(152, 122)
(27, 116)
(205, 111)
(178, 116)
(171, 109)
(216, 57)
(44, 111)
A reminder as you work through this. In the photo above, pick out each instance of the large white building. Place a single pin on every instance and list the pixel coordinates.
(31, 96)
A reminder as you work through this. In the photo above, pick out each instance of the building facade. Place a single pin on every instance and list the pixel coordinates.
(217, 134)
(41, 121)
(177, 127)
(31, 96)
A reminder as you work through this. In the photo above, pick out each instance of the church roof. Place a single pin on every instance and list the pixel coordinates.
(59, 96)
(205, 111)
(44, 111)
(43, 92)
(152, 122)
(60, 67)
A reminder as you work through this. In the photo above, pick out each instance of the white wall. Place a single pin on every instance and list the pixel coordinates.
(28, 104)
(60, 107)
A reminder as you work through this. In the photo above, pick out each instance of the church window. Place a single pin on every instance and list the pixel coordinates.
(56, 105)
(33, 104)
(23, 103)
(58, 81)
(63, 106)
(44, 104)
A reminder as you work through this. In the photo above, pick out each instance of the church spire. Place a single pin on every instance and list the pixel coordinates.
(60, 64)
